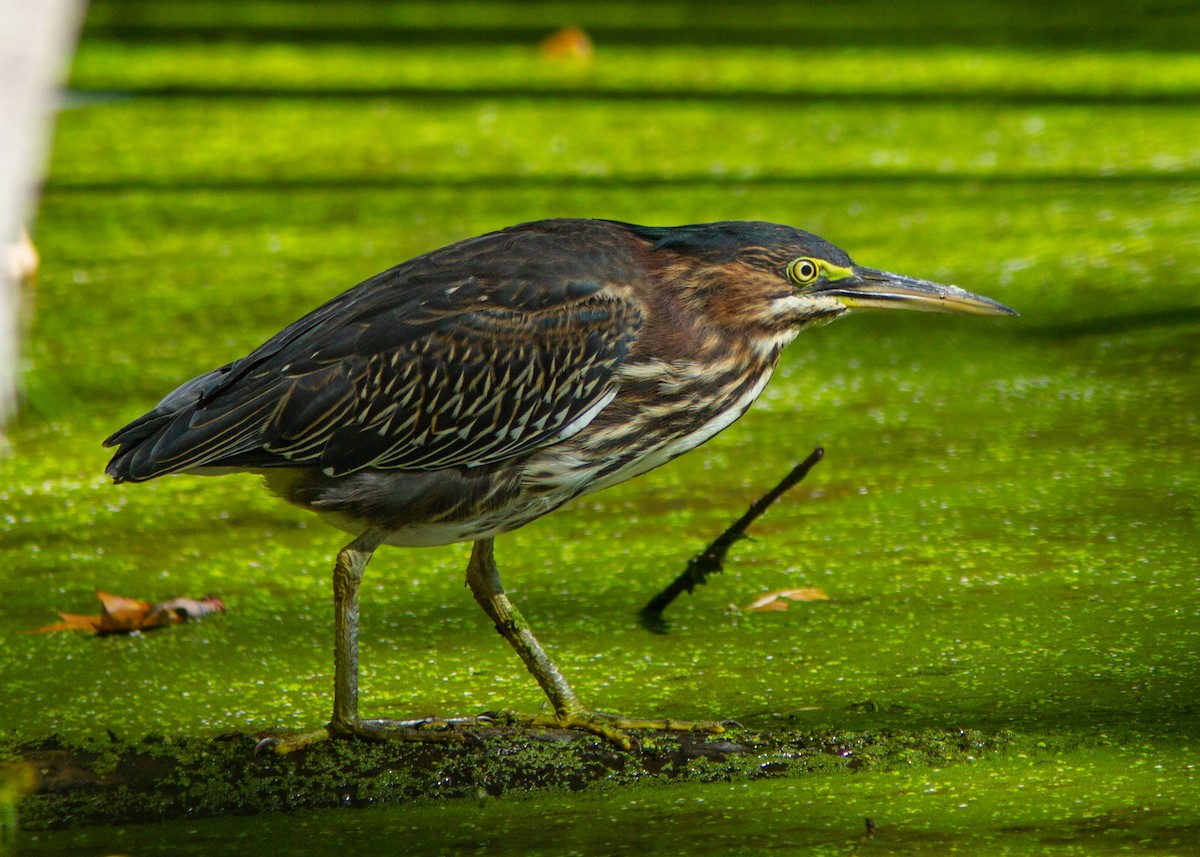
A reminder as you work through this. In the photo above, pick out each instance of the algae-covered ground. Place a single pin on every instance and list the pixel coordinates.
(1005, 520)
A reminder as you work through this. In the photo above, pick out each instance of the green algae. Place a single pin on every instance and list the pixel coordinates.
(541, 139)
(1011, 73)
(802, 25)
(1087, 800)
(1005, 521)
(116, 782)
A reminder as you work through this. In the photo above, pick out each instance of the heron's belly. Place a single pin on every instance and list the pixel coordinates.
(439, 508)
(422, 535)
(611, 454)
(591, 461)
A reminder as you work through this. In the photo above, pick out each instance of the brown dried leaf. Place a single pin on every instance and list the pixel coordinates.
(120, 614)
(123, 615)
(779, 599)
(70, 622)
(569, 43)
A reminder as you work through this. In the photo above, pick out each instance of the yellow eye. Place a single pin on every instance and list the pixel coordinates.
(804, 271)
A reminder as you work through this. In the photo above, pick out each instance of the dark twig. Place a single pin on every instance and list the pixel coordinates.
(712, 558)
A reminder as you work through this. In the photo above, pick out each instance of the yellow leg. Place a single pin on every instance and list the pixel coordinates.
(484, 580)
(569, 713)
(345, 722)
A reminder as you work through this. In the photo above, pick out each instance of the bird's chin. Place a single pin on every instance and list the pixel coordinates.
(822, 316)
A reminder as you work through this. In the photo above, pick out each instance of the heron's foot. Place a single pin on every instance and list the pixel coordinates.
(433, 730)
(614, 728)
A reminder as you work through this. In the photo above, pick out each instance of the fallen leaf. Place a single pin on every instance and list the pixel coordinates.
(122, 615)
(779, 600)
(569, 43)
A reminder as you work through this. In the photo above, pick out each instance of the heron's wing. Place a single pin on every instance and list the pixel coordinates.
(472, 355)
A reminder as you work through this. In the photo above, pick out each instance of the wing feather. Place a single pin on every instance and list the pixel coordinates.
(471, 355)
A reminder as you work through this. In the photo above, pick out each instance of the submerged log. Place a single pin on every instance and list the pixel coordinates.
(158, 779)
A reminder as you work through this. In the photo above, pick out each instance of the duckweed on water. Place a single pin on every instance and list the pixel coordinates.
(1005, 521)
(1098, 800)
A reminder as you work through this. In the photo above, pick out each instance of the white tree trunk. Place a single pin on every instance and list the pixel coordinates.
(36, 38)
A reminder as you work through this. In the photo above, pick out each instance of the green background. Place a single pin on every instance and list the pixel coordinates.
(1005, 521)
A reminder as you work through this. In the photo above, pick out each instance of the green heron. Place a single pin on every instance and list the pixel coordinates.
(476, 388)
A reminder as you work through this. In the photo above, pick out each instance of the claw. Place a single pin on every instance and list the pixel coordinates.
(613, 728)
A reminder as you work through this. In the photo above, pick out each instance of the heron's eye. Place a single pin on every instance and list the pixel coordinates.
(804, 271)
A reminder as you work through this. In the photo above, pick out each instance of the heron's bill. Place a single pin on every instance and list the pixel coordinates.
(871, 288)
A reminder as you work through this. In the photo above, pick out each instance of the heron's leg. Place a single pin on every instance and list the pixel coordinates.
(484, 579)
(347, 576)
